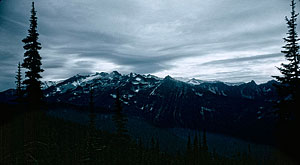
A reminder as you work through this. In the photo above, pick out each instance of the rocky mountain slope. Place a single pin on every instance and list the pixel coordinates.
(168, 102)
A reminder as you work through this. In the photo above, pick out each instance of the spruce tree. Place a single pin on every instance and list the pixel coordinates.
(196, 149)
(189, 146)
(288, 89)
(32, 61)
(92, 139)
(119, 118)
(19, 81)
(189, 151)
(199, 142)
(204, 142)
(122, 140)
(157, 147)
(196, 144)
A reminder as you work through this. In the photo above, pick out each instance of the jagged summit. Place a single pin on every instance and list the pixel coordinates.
(169, 101)
(137, 83)
(166, 101)
(113, 74)
(168, 78)
(252, 82)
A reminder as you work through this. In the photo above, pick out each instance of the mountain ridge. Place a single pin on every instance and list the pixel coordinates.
(148, 92)
(193, 81)
(168, 102)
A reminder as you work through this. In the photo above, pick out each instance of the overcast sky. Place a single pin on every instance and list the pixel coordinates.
(226, 40)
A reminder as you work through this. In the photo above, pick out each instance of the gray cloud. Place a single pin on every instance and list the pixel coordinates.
(255, 58)
(175, 37)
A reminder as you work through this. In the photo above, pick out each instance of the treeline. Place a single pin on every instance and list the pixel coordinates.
(34, 137)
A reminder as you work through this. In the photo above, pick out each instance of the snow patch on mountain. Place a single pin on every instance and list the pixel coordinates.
(138, 79)
(58, 89)
(91, 78)
(47, 84)
(199, 94)
(206, 109)
(153, 91)
(203, 110)
(194, 81)
(223, 93)
(213, 89)
(113, 96)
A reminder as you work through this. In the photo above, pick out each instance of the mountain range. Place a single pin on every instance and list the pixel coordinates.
(167, 102)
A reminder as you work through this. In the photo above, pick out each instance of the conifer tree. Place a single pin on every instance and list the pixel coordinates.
(119, 118)
(152, 145)
(32, 61)
(289, 90)
(19, 81)
(204, 142)
(200, 142)
(122, 139)
(189, 145)
(189, 151)
(92, 139)
(140, 145)
(196, 149)
(289, 87)
(157, 150)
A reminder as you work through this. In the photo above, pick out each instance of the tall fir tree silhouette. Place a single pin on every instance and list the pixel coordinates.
(205, 153)
(122, 139)
(189, 151)
(196, 149)
(289, 90)
(32, 61)
(289, 87)
(196, 144)
(19, 81)
(199, 141)
(204, 142)
(189, 145)
(92, 139)
(119, 118)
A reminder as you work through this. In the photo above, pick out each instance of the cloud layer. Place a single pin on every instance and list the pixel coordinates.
(230, 40)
